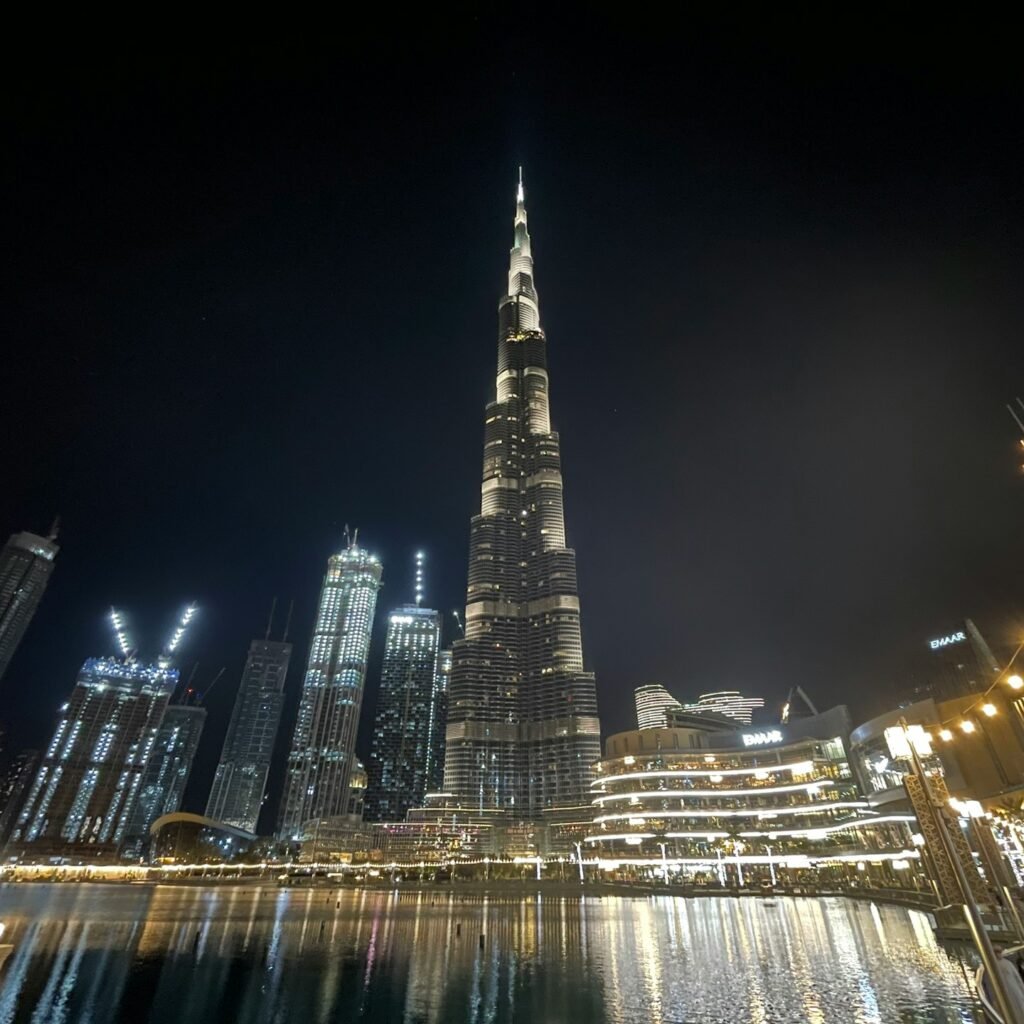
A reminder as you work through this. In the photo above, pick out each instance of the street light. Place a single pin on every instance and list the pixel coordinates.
(771, 864)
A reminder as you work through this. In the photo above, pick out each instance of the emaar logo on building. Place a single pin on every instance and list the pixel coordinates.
(759, 739)
(945, 641)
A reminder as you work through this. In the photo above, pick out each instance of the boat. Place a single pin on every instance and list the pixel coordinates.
(985, 994)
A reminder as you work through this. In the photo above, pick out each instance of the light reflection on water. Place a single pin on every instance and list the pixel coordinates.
(101, 954)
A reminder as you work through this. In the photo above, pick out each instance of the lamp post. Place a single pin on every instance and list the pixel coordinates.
(972, 912)
(771, 864)
(579, 859)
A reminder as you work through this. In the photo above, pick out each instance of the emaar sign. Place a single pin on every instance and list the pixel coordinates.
(945, 641)
(759, 739)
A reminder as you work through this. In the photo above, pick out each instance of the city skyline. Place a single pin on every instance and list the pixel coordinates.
(753, 296)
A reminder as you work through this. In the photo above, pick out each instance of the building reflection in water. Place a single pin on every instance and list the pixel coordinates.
(253, 955)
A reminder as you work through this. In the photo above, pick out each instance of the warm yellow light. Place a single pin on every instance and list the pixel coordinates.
(967, 725)
(988, 709)
(1015, 682)
(945, 734)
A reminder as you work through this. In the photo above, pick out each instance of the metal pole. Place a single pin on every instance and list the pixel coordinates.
(771, 864)
(971, 910)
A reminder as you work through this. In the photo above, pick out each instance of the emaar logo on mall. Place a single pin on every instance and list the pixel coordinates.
(945, 641)
(758, 739)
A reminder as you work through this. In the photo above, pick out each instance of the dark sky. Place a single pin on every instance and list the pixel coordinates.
(250, 296)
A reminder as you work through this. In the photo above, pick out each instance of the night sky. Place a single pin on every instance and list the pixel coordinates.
(250, 296)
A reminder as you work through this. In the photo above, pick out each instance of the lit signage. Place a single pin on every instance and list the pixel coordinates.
(759, 739)
(945, 641)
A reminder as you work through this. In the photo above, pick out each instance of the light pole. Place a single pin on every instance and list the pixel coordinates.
(664, 864)
(972, 913)
(579, 859)
(771, 864)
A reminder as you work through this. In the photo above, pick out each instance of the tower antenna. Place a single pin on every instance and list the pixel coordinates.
(288, 621)
(419, 577)
(55, 528)
(270, 621)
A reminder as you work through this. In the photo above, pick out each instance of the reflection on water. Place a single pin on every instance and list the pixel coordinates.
(99, 954)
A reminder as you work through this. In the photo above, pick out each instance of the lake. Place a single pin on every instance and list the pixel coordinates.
(191, 955)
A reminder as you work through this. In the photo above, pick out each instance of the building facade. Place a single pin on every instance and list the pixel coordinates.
(167, 773)
(956, 662)
(439, 722)
(240, 782)
(706, 799)
(523, 727)
(26, 564)
(324, 742)
(730, 703)
(14, 782)
(653, 702)
(81, 802)
(400, 759)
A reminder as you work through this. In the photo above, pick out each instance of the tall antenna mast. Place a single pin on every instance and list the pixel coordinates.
(288, 621)
(419, 577)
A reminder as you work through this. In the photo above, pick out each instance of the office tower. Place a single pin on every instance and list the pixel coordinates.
(14, 782)
(438, 722)
(83, 796)
(652, 702)
(324, 742)
(953, 663)
(240, 781)
(400, 760)
(730, 703)
(166, 774)
(523, 729)
(26, 563)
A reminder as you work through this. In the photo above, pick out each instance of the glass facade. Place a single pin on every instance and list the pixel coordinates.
(400, 760)
(167, 773)
(26, 563)
(240, 782)
(84, 794)
(322, 756)
(523, 729)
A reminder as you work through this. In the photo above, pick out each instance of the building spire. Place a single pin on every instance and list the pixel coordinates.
(519, 309)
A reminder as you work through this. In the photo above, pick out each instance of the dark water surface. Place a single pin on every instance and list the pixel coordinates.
(112, 953)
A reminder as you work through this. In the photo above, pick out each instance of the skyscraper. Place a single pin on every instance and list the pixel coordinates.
(14, 782)
(652, 702)
(240, 782)
(324, 742)
(26, 563)
(166, 774)
(84, 793)
(439, 722)
(400, 762)
(523, 729)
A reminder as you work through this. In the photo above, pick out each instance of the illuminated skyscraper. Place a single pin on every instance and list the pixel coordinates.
(26, 563)
(166, 774)
(523, 729)
(652, 703)
(240, 782)
(399, 766)
(84, 793)
(324, 742)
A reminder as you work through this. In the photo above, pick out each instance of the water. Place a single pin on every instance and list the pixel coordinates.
(189, 955)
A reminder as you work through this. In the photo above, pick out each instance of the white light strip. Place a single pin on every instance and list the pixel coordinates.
(786, 860)
(796, 767)
(683, 793)
(818, 808)
(860, 823)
